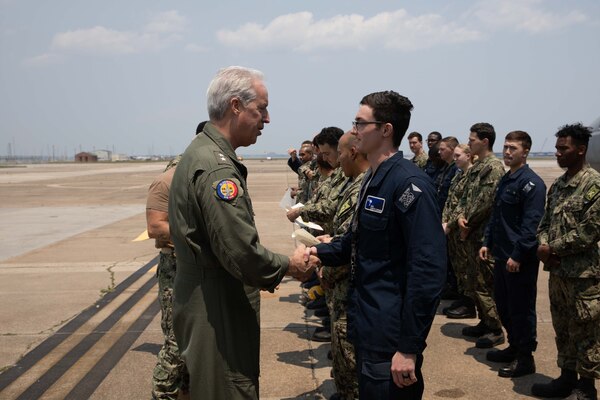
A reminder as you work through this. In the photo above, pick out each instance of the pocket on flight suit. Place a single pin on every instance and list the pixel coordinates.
(377, 371)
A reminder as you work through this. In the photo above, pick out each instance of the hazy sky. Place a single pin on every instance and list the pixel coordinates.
(132, 75)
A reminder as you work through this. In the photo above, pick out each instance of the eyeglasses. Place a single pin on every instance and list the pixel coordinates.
(360, 125)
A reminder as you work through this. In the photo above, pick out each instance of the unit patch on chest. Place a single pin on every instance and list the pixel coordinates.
(409, 196)
(374, 204)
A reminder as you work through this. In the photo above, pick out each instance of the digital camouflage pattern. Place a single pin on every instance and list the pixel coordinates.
(306, 186)
(571, 224)
(478, 199)
(575, 309)
(476, 206)
(420, 160)
(338, 278)
(321, 208)
(456, 249)
(169, 374)
(571, 227)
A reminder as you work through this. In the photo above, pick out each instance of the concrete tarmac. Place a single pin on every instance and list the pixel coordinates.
(80, 317)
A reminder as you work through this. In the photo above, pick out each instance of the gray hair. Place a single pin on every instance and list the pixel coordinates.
(228, 83)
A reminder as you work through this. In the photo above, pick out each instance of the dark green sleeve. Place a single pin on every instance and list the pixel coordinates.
(232, 233)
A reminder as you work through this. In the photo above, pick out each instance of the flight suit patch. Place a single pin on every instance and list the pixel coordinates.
(592, 192)
(409, 196)
(527, 188)
(375, 204)
(226, 189)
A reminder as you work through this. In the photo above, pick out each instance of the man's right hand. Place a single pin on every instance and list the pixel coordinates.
(300, 267)
(483, 253)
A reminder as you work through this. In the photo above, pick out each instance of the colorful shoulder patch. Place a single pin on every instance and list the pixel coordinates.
(592, 192)
(226, 189)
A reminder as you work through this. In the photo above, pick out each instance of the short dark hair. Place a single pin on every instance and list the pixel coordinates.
(390, 107)
(520, 136)
(483, 130)
(451, 141)
(436, 134)
(322, 163)
(330, 135)
(200, 127)
(580, 135)
(417, 135)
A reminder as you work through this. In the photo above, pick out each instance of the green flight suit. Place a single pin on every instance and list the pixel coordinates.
(220, 267)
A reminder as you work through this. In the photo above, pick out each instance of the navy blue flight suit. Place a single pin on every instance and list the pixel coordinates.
(511, 233)
(397, 252)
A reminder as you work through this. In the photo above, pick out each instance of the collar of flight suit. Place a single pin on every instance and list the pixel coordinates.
(217, 137)
(384, 168)
(517, 173)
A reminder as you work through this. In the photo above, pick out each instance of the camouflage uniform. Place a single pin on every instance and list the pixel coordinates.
(571, 227)
(306, 186)
(420, 160)
(321, 208)
(456, 249)
(338, 278)
(476, 206)
(169, 374)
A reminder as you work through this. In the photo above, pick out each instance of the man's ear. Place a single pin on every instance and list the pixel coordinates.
(388, 130)
(236, 105)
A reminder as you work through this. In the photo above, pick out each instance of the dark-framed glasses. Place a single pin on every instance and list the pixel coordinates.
(360, 125)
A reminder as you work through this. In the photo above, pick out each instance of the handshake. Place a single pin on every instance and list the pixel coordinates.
(303, 262)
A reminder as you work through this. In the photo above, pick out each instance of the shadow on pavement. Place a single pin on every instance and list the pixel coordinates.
(304, 358)
(152, 348)
(292, 298)
(454, 330)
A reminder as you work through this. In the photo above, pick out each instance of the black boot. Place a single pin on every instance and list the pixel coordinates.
(559, 387)
(506, 355)
(585, 390)
(475, 331)
(523, 365)
(465, 310)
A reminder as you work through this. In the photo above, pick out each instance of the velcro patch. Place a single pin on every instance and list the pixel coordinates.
(409, 196)
(344, 207)
(527, 188)
(375, 204)
(592, 192)
(226, 189)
